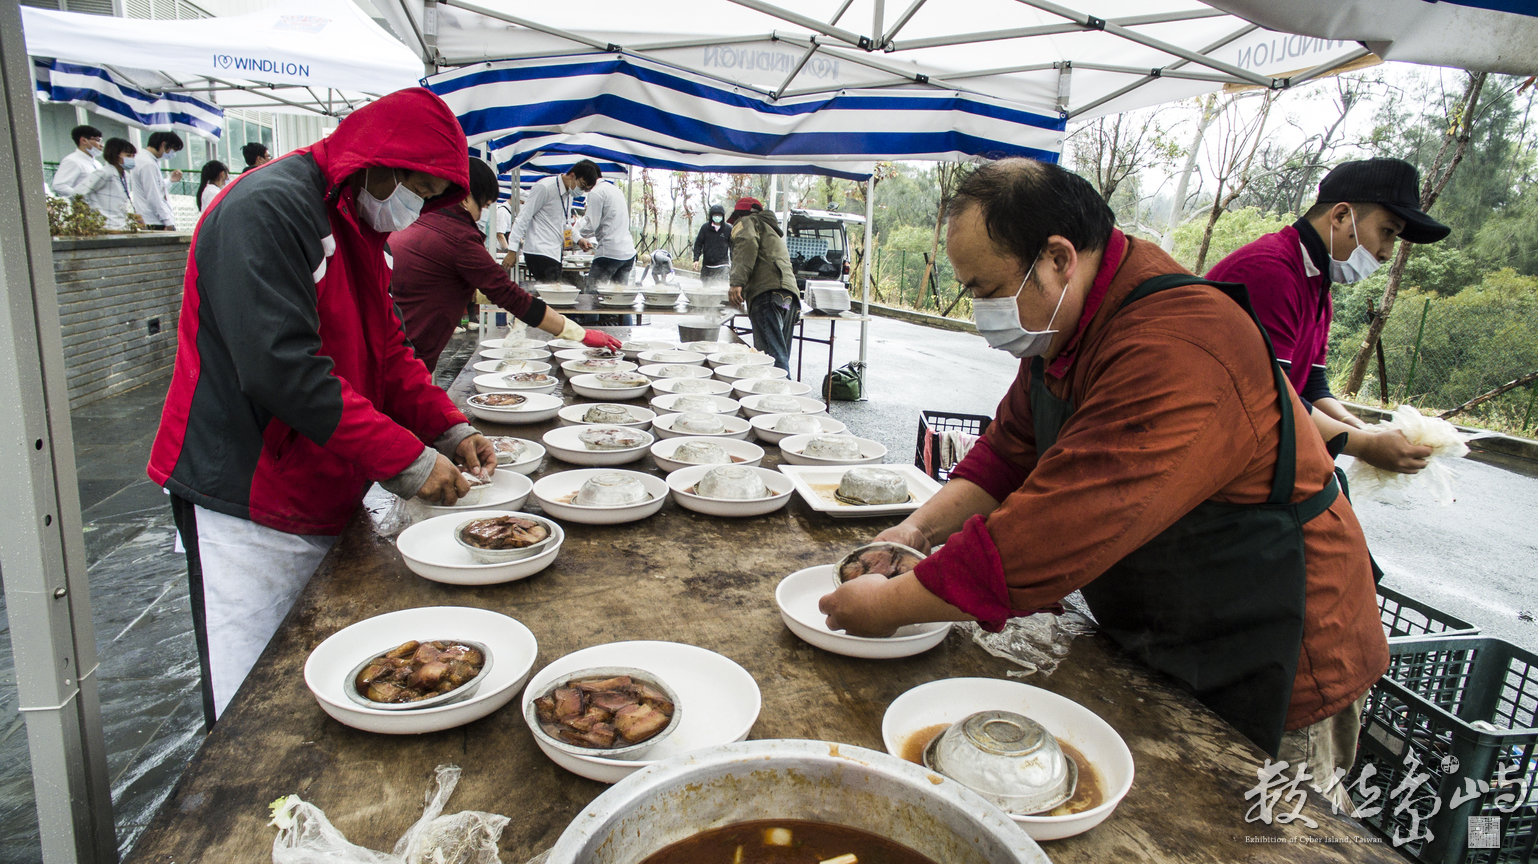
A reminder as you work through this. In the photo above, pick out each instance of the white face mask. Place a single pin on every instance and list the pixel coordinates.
(128, 163)
(998, 321)
(1358, 265)
(391, 214)
(717, 219)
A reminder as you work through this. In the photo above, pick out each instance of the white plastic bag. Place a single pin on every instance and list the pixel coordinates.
(403, 513)
(1436, 479)
(306, 836)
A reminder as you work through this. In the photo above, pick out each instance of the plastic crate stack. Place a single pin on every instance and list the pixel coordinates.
(1408, 618)
(1446, 754)
(926, 454)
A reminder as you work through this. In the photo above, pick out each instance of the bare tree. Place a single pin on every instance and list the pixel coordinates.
(1108, 150)
(1456, 139)
(1232, 159)
(947, 176)
(1207, 111)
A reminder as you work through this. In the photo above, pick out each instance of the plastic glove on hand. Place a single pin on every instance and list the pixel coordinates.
(600, 339)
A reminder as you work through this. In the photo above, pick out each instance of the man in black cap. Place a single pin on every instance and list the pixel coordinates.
(1363, 207)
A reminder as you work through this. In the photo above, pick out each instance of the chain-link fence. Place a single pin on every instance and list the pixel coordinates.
(1439, 352)
(898, 280)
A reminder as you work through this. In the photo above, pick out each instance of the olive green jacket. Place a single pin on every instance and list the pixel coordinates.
(760, 261)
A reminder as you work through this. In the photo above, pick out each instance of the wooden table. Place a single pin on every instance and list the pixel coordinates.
(684, 577)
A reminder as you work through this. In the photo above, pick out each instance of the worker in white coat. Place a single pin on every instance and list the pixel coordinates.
(79, 164)
(151, 196)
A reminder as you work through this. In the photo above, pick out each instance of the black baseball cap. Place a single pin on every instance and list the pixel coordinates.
(1391, 183)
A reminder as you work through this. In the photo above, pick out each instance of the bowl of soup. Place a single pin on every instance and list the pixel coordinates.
(769, 796)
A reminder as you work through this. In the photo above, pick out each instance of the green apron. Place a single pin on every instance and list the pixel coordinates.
(1216, 599)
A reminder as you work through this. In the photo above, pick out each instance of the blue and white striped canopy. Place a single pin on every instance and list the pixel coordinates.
(633, 111)
(111, 96)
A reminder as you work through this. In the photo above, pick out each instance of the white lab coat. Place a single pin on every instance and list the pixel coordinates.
(608, 217)
(151, 196)
(74, 170)
(541, 225)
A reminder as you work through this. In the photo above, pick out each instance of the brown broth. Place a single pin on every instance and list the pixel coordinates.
(825, 492)
(1087, 795)
(811, 842)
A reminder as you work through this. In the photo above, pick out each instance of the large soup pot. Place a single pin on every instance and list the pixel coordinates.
(817, 780)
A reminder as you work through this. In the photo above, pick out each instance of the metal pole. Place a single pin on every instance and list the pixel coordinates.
(42, 549)
(1416, 356)
(870, 213)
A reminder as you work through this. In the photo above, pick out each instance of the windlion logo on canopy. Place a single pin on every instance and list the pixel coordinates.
(270, 67)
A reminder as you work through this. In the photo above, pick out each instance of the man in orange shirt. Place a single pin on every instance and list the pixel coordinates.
(1149, 453)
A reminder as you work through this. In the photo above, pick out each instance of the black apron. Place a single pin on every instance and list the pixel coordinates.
(1216, 599)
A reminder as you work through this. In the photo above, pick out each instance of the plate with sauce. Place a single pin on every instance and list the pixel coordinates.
(1103, 759)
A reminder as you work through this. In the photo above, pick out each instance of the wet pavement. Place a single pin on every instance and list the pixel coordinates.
(1475, 558)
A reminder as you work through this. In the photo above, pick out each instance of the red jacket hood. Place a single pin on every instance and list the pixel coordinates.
(411, 129)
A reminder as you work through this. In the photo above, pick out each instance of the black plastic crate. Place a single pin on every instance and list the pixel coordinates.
(1408, 618)
(1451, 712)
(927, 453)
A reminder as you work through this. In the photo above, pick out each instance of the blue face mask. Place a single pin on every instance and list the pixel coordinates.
(128, 163)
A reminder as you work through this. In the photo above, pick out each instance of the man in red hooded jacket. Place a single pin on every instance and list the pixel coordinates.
(295, 387)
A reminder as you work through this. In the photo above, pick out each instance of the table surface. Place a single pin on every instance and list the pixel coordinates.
(685, 577)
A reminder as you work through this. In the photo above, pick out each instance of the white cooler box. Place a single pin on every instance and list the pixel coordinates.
(827, 295)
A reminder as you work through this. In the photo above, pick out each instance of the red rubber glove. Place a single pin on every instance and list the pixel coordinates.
(600, 339)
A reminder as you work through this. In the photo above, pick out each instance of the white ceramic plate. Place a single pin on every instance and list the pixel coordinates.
(709, 348)
(530, 462)
(683, 480)
(664, 386)
(723, 405)
(654, 370)
(537, 408)
(577, 353)
(588, 386)
(496, 382)
(741, 452)
(743, 356)
(575, 415)
(499, 352)
(490, 366)
(871, 452)
(720, 701)
(558, 296)
(573, 368)
(763, 427)
(670, 357)
(430, 550)
(663, 298)
(733, 373)
(635, 353)
(954, 699)
(797, 596)
(552, 488)
(744, 387)
(513, 651)
(619, 301)
(808, 479)
(564, 344)
(508, 490)
(563, 444)
(705, 298)
(808, 405)
(736, 427)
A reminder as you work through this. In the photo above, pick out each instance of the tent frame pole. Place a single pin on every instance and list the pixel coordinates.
(870, 218)
(42, 547)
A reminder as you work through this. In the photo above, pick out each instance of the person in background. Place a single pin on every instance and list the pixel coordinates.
(295, 388)
(80, 164)
(540, 229)
(1361, 209)
(713, 249)
(255, 154)
(441, 261)
(107, 189)
(502, 223)
(214, 177)
(660, 266)
(608, 219)
(763, 282)
(151, 195)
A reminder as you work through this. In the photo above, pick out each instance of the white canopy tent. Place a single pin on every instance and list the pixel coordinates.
(302, 56)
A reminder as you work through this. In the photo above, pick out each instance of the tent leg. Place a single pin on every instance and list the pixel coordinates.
(870, 213)
(42, 548)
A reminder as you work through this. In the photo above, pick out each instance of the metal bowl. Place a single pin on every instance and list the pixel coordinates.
(1007, 758)
(679, 797)
(882, 545)
(530, 714)
(502, 556)
(458, 694)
